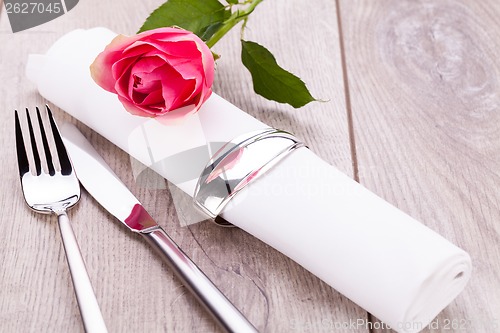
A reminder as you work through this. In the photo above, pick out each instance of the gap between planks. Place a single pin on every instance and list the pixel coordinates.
(345, 78)
(350, 124)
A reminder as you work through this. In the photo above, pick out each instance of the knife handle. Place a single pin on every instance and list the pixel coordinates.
(222, 310)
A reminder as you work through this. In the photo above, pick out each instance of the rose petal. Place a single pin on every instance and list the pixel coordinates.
(154, 99)
(157, 33)
(135, 109)
(173, 87)
(156, 43)
(158, 72)
(182, 49)
(99, 69)
(189, 68)
(140, 95)
(185, 96)
(208, 63)
(122, 66)
(121, 87)
(147, 64)
(176, 115)
(147, 86)
(139, 50)
(140, 77)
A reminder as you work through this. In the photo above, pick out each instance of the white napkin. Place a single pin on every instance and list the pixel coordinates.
(388, 263)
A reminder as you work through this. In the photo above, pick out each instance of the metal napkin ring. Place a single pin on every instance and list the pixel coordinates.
(237, 164)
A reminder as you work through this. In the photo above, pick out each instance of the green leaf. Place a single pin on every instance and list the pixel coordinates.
(270, 80)
(203, 18)
(208, 31)
(233, 2)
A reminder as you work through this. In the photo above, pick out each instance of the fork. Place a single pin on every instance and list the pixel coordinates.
(54, 188)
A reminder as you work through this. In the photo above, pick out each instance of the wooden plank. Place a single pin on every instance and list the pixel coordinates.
(308, 48)
(423, 82)
(3, 15)
(136, 291)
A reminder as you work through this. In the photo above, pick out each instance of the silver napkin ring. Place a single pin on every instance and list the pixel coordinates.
(237, 164)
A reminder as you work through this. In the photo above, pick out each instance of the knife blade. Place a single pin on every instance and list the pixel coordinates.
(105, 186)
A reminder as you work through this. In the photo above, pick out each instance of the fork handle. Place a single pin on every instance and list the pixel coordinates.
(87, 302)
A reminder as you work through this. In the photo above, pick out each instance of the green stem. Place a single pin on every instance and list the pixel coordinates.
(238, 16)
(243, 26)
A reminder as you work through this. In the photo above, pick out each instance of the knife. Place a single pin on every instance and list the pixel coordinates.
(103, 184)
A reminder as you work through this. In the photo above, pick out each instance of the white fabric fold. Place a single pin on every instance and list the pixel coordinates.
(382, 259)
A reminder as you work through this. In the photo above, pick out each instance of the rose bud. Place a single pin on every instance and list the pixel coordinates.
(164, 72)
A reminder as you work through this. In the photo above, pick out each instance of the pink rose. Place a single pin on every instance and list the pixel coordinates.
(164, 72)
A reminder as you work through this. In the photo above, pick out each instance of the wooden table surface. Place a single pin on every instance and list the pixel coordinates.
(413, 113)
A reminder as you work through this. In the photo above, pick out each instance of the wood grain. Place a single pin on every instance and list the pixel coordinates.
(423, 82)
(136, 291)
(3, 15)
(419, 116)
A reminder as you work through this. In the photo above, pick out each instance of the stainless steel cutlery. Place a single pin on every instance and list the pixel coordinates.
(101, 182)
(50, 186)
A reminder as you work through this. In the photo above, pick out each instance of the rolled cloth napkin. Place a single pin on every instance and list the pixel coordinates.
(379, 257)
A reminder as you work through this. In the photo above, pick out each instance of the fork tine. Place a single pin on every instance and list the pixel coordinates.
(22, 157)
(66, 167)
(46, 148)
(36, 156)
